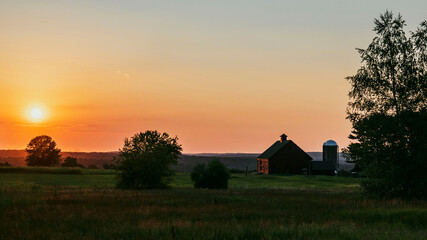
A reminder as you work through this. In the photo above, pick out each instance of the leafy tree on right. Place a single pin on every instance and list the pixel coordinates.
(388, 110)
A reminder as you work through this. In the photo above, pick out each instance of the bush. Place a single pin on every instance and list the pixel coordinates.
(144, 160)
(213, 176)
(71, 162)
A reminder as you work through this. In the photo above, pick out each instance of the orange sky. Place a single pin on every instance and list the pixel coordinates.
(222, 77)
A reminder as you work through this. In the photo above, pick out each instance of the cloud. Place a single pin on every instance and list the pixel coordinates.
(122, 74)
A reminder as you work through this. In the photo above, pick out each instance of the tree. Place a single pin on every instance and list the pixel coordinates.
(144, 160)
(71, 162)
(42, 151)
(214, 176)
(388, 110)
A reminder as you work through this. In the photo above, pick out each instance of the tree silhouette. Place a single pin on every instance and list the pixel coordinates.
(42, 151)
(144, 160)
(388, 110)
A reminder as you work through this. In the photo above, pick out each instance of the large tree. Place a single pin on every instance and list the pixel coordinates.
(388, 110)
(144, 160)
(42, 151)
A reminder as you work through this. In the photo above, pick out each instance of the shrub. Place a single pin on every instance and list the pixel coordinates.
(214, 176)
(71, 162)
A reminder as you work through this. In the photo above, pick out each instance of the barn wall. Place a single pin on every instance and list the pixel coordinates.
(263, 166)
(289, 160)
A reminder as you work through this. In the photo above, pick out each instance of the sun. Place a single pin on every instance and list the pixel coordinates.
(36, 113)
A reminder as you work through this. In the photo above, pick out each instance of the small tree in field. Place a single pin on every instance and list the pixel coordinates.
(144, 160)
(42, 151)
(215, 175)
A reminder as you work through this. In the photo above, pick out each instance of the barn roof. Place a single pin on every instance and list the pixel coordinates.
(273, 149)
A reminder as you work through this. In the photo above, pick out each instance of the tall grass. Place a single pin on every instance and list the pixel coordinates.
(86, 206)
(29, 212)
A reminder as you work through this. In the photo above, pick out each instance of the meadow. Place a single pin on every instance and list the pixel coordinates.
(87, 206)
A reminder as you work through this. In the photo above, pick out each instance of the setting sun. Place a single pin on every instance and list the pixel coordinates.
(36, 113)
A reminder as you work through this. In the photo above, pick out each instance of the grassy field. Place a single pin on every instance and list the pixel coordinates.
(99, 178)
(86, 206)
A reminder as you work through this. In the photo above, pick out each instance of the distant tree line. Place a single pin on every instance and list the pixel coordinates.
(143, 162)
(42, 151)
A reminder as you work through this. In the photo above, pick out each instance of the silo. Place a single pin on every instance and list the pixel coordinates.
(330, 152)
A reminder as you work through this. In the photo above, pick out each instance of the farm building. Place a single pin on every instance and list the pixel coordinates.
(283, 157)
(329, 163)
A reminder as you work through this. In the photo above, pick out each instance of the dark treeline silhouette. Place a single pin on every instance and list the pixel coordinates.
(388, 110)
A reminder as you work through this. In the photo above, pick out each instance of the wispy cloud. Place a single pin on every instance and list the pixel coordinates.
(122, 74)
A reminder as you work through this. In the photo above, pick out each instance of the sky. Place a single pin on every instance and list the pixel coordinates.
(223, 76)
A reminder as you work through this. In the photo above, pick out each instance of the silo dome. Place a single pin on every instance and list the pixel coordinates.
(330, 143)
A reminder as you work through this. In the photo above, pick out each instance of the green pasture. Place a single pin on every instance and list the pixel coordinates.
(106, 179)
(87, 206)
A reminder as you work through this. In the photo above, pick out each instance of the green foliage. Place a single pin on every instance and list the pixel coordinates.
(5, 164)
(42, 151)
(393, 78)
(71, 162)
(144, 160)
(388, 110)
(214, 176)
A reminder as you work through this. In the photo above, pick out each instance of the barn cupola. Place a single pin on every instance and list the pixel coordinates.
(283, 137)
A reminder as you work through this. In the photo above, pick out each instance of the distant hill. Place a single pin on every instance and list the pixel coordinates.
(185, 163)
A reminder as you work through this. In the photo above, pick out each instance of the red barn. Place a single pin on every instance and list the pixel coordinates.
(284, 157)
